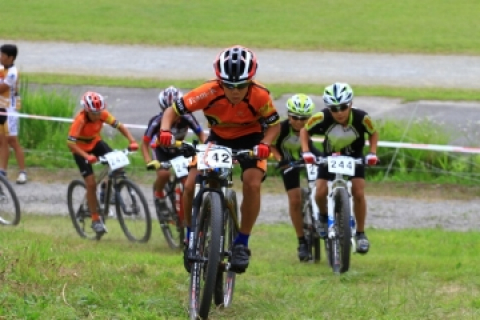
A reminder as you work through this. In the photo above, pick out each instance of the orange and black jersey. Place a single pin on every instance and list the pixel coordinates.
(226, 120)
(86, 133)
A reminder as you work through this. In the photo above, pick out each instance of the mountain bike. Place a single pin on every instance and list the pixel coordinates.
(214, 228)
(340, 238)
(340, 241)
(309, 209)
(9, 205)
(129, 201)
(173, 225)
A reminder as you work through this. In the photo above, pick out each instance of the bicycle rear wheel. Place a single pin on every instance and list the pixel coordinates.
(225, 283)
(9, 205)
(132, 211)
(172, 228)
(204, 271)
(311, 235)
(78, 209)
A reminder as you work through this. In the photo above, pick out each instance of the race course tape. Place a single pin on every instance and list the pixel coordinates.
(387, 144)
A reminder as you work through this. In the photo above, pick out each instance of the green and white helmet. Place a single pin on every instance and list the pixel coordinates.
(300, 104)
(337, 93)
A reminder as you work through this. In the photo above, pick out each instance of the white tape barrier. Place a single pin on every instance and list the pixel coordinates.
(386, 144)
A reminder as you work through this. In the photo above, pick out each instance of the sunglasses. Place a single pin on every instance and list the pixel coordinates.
(238, 86)
(340, 107)
(299, 118)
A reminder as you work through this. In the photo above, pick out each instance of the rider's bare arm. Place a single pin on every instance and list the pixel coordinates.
(373, 140)
(304, 137)
(126, 133)
(271, 133)
(169, 117)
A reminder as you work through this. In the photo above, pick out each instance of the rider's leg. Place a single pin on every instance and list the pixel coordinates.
(321, 200)
(162, 178)
(188, 194)
(291, 181)
(250, 208)
(359, 202)
(91, 186)
(360, 210)
(295, 209)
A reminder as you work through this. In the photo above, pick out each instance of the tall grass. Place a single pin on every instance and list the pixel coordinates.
(47, 138)
(45, 142)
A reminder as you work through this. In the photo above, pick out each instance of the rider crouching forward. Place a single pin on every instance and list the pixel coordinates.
(344, 129)
(235, 107)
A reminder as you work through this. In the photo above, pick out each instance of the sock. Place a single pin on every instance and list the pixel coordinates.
(3, 172)
(359, 233)
(160, 194)
(95, 217)
(323, 217)
(242, 239)
(302, 240)
(188, 233)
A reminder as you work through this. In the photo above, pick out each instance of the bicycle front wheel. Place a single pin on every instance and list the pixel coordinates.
(204, 270)
(225, 278)
(172, 226)
(9, 205)
(78, 209)
(132, 211)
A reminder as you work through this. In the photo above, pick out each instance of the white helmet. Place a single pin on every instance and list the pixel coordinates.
(167, 96)
(337, 93)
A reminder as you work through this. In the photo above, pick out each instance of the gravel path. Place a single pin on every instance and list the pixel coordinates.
(384, 212)
(276, 66)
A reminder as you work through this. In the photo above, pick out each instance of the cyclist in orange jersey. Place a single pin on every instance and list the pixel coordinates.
(236, 108)
(86, 145)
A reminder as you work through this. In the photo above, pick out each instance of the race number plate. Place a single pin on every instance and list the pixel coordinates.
(311, 171)
(180, 166)
(117, 159)
(216, 157)
(342, 165)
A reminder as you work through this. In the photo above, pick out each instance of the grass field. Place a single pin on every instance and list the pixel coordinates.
(410, 274)
(429, 26)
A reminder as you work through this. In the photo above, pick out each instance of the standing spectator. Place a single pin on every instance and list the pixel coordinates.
(13, 142)
(8, 90)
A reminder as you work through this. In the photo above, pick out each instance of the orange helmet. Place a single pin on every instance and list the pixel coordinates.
(92, 102)
(235, 65)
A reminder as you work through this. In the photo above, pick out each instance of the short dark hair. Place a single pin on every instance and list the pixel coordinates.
(10, 50)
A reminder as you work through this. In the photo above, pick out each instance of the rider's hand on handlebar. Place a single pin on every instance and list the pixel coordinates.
(282, 164)
(371, 159)
(133, 146)
(165, 139)
(308, 157)
(153, 165)
(91, 159)
(261, 150)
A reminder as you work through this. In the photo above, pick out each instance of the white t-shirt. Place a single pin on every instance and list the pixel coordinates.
(10, 78)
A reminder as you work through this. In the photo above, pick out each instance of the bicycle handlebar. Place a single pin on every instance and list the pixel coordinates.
(318, 160)
(103, 160)
(236, 153)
